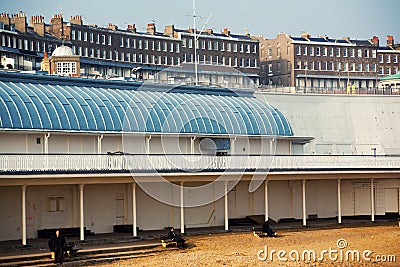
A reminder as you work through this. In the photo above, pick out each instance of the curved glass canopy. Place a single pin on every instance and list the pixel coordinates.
(61, 105)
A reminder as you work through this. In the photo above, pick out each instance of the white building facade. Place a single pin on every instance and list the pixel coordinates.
(93, 154)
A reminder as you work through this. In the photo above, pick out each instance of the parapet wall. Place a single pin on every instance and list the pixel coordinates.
(342, 124)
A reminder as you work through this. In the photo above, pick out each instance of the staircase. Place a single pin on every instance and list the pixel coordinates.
(86, 257)
(242, 221)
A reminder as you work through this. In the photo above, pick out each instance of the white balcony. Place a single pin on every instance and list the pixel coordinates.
(189, 163)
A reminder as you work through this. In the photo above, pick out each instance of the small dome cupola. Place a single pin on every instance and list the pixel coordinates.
(63, 51)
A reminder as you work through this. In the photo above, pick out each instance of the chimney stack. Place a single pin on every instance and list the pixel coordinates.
(19, 21)
(132, 28)
(38, 25)
(151, 28)
(346, 39)
(375, 40)
(390, 41)
(57, 25)
(305, 35)
(169, 30)
(113, 27)
(209, 31)
(45, 64)
(76, 20)
(5, 19)
(226, 31)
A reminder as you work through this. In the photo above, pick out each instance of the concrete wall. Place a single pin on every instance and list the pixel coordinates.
(342, 124)
(105, 206)
(10, 218)
(21, 143)
(88, 144)
(357, 196)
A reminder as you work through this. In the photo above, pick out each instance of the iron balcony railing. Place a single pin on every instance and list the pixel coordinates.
(10, 163)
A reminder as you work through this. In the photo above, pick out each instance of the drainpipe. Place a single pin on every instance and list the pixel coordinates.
(233, 140)
(46, 143)
(99, 138)
(271, 142)
(192, 139)
(148, 138)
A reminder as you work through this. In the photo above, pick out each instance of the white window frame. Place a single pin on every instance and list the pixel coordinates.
(66, 68)
(345, 52)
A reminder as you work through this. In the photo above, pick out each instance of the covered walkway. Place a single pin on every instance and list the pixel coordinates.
(150, 239)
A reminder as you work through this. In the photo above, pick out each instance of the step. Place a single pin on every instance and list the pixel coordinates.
(11, 259)
(86, 256)
(28, 262)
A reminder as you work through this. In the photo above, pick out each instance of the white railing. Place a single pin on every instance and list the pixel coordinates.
(194, 163)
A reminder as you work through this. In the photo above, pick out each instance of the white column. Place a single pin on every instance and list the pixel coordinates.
(226, 206)
(134, 223)
(23, 222)
(182, 212)
(82, 225)
(398, 201)
(266, 199)
(372, 201)
(304, 202)
(339, 204)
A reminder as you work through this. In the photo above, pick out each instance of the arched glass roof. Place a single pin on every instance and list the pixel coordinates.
(60, 105)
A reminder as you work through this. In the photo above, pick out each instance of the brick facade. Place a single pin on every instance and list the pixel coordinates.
(323, 63)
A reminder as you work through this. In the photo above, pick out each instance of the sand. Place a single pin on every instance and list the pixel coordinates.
(375, 245)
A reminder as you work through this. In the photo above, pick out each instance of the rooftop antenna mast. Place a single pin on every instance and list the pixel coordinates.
(62, 27)
(196, 81)
(195, 38)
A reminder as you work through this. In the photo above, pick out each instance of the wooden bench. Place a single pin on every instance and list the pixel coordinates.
(71, 248)
(165, 242)
(258, 232)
